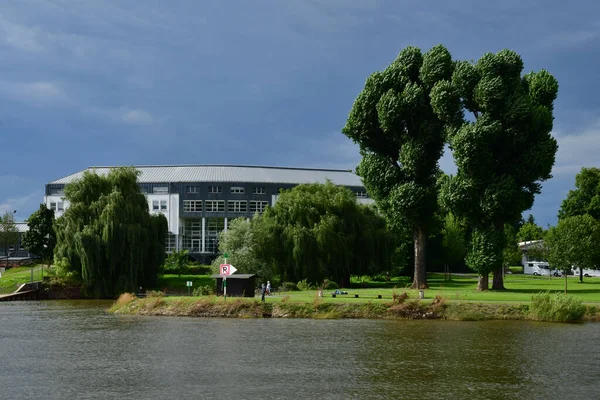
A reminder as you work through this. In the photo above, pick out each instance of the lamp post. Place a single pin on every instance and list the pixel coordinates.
(7, 250)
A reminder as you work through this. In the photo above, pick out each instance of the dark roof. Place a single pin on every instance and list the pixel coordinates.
(236, 276)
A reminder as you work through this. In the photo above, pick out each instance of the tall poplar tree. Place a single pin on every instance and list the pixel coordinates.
(401, 140)
(503, 152)
(107, 234)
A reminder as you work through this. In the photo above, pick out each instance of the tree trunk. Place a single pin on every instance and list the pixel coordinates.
(420, 276)
(483, 283)
(581, 275)
(346, 280)
(498, 280)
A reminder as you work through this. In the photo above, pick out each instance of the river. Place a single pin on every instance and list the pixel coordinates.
(76, 350)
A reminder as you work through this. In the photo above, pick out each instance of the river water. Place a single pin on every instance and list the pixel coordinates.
(75, 350)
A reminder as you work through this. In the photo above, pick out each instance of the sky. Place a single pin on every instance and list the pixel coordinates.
(261, 82)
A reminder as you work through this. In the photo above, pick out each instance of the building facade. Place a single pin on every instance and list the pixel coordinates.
(15, 251)
(200, 201)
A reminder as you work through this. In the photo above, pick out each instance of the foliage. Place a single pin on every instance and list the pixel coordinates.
(585, 199)
(239, 242)
(8, 232)
(511, 255)
(401, 140)
(453, 240)
(558, 307)
(286, 286)
(107, 235)
(328, 284)
(574, 241)
(177, 262)
(503, 153)
(40, 239)
(304, 285)
(317, 231)
(205, 290)
(530, 231)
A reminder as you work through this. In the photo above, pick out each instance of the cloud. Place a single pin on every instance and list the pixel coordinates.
(43, 92)
(577, 150)
(136, 117)
(335, 151)
(574, 38)
(20, 36)
(22, 204)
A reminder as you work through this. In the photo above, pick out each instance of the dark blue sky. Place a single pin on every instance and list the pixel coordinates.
(268, 82)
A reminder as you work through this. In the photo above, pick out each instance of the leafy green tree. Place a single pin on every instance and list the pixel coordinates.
(585, 199)
(503, 152)
(530, 231)
(40, 239)
(318, 231)
(107, 235)
(177, 261)
(8, 232)
(401, 140)
(511, 254)
(240, 244)
(574, 241)
(453, 242)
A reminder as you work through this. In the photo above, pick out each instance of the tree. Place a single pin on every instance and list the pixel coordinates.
(176, 261)
(530, 231)
(511, 254)
(503, 152)
(40, 239)
(318, 231)
(8, 232)
(107, 235)
(240, 245)
(453, 242)
(585, 199)
(401, 140)
(573, 242)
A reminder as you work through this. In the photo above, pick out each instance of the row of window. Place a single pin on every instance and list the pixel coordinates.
(233, 189)
(57, 206)
(159, 205)
(240, 206)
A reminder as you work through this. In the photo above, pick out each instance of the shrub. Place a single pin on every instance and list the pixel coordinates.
(205, 290)
(557, 307)
(327, 284)
(126, 298)
(399, 298)
(155, 293)
(287, 286)
(305, 285)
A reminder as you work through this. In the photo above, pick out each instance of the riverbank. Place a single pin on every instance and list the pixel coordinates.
(439, 308)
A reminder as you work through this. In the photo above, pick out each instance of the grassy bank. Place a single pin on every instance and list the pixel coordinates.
(14, 277)
(399, 308)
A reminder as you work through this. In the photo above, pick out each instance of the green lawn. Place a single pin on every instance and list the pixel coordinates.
(519, 288)
(14, 277)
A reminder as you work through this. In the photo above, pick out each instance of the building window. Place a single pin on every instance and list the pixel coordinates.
(259, 190)
(237, 206)
(155, 205)
(192, 206)
(191, 189)
(60, 206)
(361, 194)
(163, 205)
(237, 190)
(215, 189)
(143, 189)
(57, 192)
(258, 206)
(215, 205)
(53, 206)
(160, 189)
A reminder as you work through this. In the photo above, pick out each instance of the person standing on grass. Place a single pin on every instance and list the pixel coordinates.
(263, 290)
(269, 288)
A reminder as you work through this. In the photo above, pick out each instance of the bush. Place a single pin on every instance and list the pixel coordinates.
(557, 307)
(327, 284)
(205, 290)
(305, 285)
(289, 286)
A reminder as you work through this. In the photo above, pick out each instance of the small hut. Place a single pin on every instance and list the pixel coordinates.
(238, 285)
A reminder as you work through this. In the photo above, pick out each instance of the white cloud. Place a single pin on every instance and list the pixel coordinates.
(30, 201)
(136, 117)
(20, 36)
(577, 150)
(34, 92)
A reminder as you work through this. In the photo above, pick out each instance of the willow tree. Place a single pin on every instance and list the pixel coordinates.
(401, 140)
(502, 153)
(318, 231)
(107, 234)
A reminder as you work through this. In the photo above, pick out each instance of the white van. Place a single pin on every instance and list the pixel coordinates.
(540, 268)
(587, 272)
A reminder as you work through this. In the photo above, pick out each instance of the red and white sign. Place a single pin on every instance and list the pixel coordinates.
(226, 269)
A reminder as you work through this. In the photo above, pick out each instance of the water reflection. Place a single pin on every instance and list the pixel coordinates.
(60, 350)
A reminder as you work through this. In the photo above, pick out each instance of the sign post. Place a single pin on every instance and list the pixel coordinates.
(189, 286)
(225, 270)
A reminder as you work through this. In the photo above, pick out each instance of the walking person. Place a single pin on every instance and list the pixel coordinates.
(263, 290)
(269, 288)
